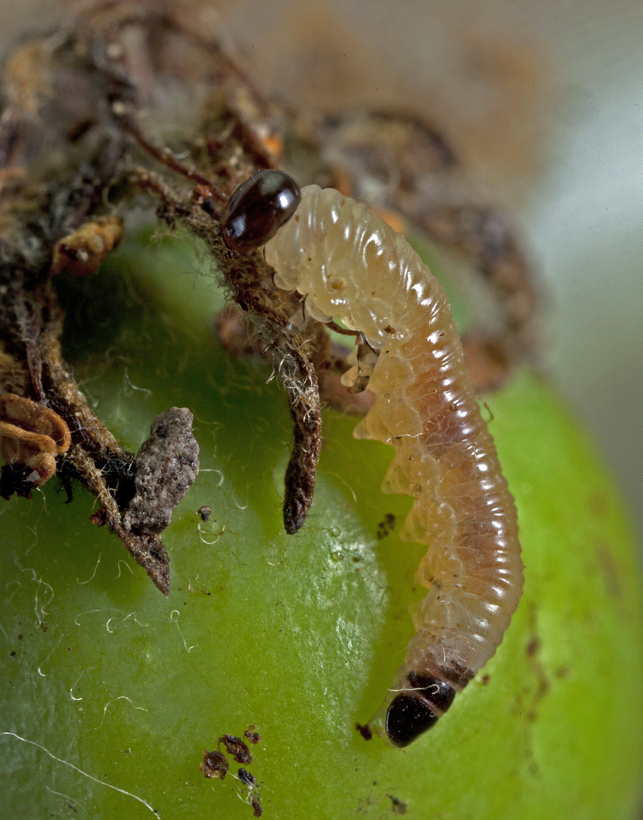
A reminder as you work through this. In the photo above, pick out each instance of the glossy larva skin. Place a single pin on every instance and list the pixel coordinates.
(351, 265)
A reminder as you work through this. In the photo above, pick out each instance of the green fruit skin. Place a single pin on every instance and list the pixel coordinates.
(299, 635)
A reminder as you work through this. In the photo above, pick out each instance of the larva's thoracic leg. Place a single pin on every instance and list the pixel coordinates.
(358, 377)
(350, 265)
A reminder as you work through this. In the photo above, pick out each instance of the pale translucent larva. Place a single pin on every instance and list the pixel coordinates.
(349, 264)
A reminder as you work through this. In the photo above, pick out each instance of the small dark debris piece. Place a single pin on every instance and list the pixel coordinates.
(165, 468)
(237, 748)
(16, 478)
(251, 735)
(484, 680)
(214, 764)
(99, 517)
(365, 731)
(247, 779)
(386, 526)
(205, 512)
(256, 805)
(398, 806)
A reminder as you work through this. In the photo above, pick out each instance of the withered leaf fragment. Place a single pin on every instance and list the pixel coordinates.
(237, 748)
(214, 764)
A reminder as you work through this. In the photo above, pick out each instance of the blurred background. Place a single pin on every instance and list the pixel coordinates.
(543, 100)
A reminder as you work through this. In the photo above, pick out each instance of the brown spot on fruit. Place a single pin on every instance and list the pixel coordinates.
(532, 647)
(609, 571)
(386, 526)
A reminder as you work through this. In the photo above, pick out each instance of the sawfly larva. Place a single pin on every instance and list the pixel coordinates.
(348, 264)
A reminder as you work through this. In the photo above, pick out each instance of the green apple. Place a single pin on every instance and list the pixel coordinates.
(109, 692)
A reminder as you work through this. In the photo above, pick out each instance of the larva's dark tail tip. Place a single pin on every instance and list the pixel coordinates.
(407, 718)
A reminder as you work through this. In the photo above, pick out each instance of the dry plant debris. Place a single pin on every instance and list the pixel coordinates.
(93, 119)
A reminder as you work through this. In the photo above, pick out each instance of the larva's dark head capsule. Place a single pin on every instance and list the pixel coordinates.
(257, 209)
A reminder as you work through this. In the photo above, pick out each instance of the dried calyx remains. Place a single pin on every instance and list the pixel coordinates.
(73, 167)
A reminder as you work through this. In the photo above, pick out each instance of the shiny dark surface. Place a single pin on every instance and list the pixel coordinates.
(437, 691)
(257, 209)
(407, 718)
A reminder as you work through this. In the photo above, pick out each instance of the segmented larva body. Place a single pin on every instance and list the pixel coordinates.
(349, 264)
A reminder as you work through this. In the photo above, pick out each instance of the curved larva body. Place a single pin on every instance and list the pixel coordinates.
(349, 264)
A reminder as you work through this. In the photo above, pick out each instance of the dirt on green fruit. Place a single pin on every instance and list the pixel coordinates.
(109, 693)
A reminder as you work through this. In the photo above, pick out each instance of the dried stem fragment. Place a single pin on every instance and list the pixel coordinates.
(31, 435)
(80, 253)
(305, 410)
(253, 737)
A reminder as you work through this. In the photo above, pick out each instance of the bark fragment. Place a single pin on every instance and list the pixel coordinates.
(165, 468)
